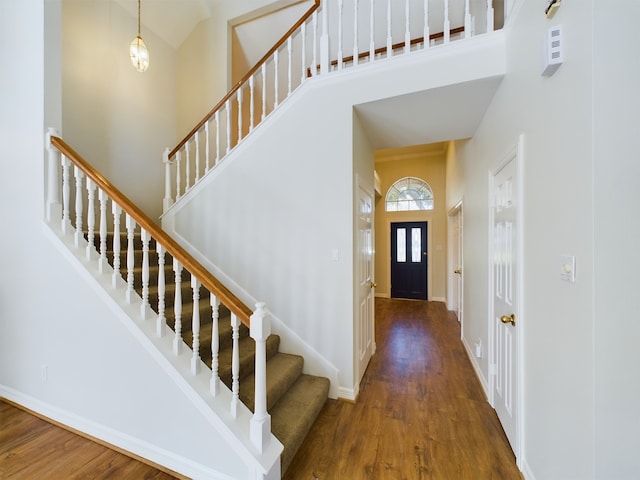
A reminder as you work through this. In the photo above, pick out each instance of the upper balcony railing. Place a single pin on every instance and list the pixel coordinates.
(332, 37)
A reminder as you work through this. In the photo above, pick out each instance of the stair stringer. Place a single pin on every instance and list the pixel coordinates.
(300, 159)
(235, 432)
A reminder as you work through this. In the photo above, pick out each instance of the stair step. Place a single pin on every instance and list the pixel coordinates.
(247, 348)
(293, 416)
(282, 371)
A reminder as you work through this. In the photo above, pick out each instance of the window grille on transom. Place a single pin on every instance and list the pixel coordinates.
(409, 194)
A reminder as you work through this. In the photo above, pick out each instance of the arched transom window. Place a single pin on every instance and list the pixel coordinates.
(409, 194)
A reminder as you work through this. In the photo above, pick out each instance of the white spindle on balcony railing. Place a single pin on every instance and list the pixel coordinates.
(403, 27)
(70, 227)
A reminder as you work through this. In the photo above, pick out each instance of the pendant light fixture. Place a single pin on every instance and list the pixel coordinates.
(138, 50)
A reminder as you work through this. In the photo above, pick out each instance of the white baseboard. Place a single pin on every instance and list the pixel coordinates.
(526, 471)
(349, 394)
(119, 440)
(476, 367)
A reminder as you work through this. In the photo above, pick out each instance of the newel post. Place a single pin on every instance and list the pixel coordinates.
(54, 203)
(261, 421)
(167, 201)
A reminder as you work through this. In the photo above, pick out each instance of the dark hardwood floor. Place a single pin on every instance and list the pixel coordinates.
(32, 448)
(421, 413)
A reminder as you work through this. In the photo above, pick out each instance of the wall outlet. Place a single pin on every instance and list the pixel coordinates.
(479, 348)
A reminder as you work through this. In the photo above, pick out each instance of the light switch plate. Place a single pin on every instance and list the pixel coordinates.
(568, 268)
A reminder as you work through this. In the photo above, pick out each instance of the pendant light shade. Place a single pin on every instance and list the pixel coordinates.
(139, 54)
(138, 51)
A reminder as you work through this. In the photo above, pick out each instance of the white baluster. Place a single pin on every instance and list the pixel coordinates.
(54, 205)
(467, 20)
(340, 55)
(177, 307)
(207, 148)
(178, 173)
(260, 425)
(161, 320)
(131, 226)
(145, 308)
(197, 159)
(356, 52)
(447, 26)
(91, 219)
(116, 210)
(227, 106)
(276, 68)
(289, 65)
(251, 102)
(215, 344)
(303, 75)
(389, 35)
(314, 66)
(102, 262)
(235, 365)
(217, 117)
(407, 28)
(239, 114)
(195, 326)
(187, 167)
(427, 32)
(372, 29)
(167, 201)
(324, 40)
(263, 71)
(66, 190)
(79, 234)
(490, 25)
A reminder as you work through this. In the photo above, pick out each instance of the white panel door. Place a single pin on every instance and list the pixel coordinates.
(505, 297)
(365, 318)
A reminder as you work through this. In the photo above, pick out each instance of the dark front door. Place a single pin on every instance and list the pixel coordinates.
(409, 260)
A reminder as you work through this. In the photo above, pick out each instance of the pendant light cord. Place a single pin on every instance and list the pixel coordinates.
(138, 17)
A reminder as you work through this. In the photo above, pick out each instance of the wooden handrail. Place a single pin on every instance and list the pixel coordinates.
(395, 46)
(211, 283)
(246, 78)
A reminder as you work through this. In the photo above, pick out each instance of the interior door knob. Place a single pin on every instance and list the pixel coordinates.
(509, 319)
(373, 284)
(458, 271)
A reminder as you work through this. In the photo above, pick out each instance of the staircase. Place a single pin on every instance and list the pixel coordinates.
(294, 399)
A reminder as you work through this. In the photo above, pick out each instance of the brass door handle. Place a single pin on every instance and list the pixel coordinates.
(509, 319)
(373, 284)
(458, 271)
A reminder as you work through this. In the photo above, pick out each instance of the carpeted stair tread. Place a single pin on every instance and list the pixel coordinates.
(247, 349)
(282, 371)
(295, 413)
(294, 399)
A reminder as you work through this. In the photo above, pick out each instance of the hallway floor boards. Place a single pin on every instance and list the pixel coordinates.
(421, 413)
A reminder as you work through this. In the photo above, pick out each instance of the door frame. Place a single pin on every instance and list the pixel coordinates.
(516, 154)
(455, 214)
(410, 218)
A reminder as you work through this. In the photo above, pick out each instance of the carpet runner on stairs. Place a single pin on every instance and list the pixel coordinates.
(294, 399)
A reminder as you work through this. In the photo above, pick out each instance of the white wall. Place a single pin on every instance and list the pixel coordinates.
(285, 197)
(120, 120)
(617, 227)
(581, 170)
(98, 376)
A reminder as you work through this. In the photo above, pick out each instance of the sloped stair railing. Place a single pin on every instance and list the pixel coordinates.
(331, 37)
(75, 190)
